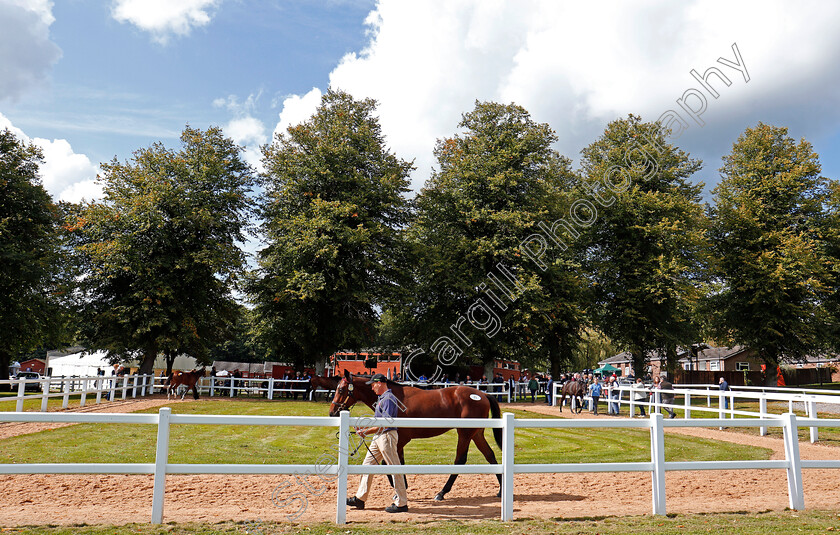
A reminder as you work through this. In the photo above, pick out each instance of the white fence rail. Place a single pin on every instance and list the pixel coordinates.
(340, 468)
(721, 403)
(109, 388)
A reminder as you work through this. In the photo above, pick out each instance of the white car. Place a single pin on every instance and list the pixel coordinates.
(34, 386)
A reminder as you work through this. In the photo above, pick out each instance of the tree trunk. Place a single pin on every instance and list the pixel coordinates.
(488, 370)
(639, 361)
(170, 360)
(148, 364)
(320, 366)
(5, 359)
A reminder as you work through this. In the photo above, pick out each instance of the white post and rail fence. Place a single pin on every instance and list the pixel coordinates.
(340, 468)
(103, 388)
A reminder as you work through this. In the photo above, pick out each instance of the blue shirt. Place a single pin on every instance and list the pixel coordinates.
(386, 407)
(595, 390)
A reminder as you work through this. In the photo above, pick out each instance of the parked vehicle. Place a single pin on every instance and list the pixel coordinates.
(33, 386)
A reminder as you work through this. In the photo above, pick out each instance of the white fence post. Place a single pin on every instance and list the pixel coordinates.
(99, 386)
(507, 465)
(134, 387)
(271, 389)
(161, 458)
(721, 410)
(762, 407)
(83, 383)
(45, 390)
(796, 492)
(212, 386)
(812, 413)
(125, 387)
(66, 400)
(688, 405)
(21, 393)
(657, 454)
(343, 455)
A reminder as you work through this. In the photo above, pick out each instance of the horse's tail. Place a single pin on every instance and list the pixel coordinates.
(495, 412)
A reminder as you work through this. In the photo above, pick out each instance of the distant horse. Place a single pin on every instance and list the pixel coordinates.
(451, 402)
(187, 379)
(575, 390)
(325, 383)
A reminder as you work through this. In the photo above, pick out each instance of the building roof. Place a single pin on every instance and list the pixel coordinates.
(683, 355)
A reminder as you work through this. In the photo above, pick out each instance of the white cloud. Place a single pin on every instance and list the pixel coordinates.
(578, 66)
(250, 133)
(26, 52)
(297, 109)
(162, 18)
(66, 175)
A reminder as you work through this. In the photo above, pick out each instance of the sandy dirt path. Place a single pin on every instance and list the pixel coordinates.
(117, 499)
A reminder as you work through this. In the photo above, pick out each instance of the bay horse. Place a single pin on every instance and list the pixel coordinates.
(325, 383)
(189, 379)
(450, 402)
(575, 390)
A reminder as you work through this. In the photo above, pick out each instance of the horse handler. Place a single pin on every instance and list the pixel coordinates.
(383, 446)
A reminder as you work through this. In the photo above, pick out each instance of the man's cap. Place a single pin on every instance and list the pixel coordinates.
(378, 377)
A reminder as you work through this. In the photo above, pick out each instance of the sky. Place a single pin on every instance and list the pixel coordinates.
(89, 81)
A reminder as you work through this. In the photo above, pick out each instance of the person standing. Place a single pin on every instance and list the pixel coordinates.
(383, 446)
(614, 394)
(724, 386)
(533, 385)
(595, 393)
(549, 391)
(640, 395)
(666, 395)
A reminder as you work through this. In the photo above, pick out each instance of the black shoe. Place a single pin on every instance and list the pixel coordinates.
(673, 415)
(355, 502)
(394, 508)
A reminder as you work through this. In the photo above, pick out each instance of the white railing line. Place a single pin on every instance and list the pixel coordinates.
(67, 386)
(78, 468)
(792, 463)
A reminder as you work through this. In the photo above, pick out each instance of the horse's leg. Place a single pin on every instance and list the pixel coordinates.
(460, 458)
(195, 390)
(484, 447)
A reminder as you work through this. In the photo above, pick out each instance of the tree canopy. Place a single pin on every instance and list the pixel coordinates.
(161, 249)
(645, 253)
(33, 261)
(476, 291)
(333, 211)
(768, 212)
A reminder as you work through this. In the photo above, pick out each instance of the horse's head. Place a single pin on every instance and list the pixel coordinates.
(345, 395)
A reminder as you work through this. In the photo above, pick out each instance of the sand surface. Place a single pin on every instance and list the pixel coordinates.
(119, 499)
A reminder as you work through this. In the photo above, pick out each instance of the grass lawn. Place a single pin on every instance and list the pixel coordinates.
(778, 523)
(90, 443)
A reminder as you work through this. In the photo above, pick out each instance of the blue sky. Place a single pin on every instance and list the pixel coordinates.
(90, 80)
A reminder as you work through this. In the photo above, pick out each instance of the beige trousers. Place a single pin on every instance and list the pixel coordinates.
(384, 446)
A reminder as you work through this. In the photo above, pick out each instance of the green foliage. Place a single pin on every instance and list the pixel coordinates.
(765, 237)
(160, 250)
(33, 263)
(495, 183)
(831, 261)
(333, 211)
(646, 250)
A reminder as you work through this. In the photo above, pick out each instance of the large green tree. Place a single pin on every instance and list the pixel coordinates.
(33, 283)
(333, 211)
(831, 260)
(646, 247)
(486, 286)
(768, 211)
(161, 250)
